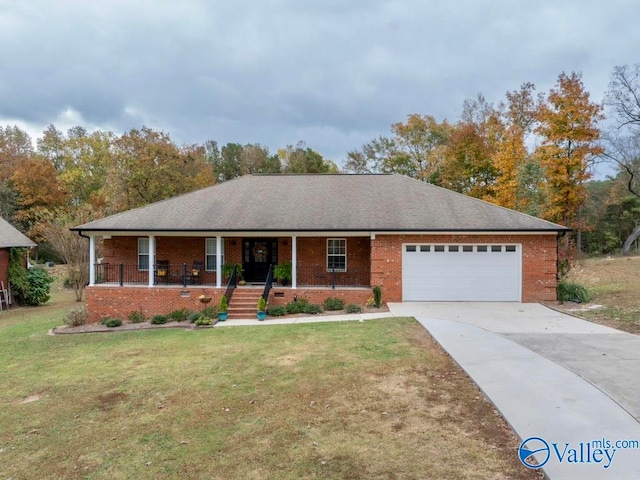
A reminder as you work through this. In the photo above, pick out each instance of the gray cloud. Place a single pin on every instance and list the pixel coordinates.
(332, 73)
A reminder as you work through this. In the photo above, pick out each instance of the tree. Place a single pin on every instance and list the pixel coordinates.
(15, 148)
(299, 159)
(71, 247)
(622, 142)
(149, 167)
(415, 150)
(568, 129)
(38, 193)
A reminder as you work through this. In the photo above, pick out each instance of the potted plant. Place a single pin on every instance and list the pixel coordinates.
(227, 270)
(222, 311)
(282, 272)
(262, 309)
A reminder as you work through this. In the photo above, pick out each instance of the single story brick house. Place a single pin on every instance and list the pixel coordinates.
(341, 234)
(10, 237)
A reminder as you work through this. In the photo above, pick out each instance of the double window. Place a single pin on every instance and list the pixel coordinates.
(210, 254)
(337, 254)
(143, 254)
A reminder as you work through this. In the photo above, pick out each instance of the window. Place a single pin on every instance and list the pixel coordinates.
(210, 254)
(496, 248)
(481, 248)
(467, 248)
(438, 248)
(337, 254)
(510, 248)
(425, 248)
(454, 248)
(143, 254)
(411, 248)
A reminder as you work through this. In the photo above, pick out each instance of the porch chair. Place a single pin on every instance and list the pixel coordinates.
(4, 296)
(162, 272)
(196, 272)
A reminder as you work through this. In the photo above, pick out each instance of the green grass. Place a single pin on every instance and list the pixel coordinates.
(375, 399)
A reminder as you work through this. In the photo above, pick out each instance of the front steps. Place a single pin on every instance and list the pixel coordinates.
(244, 303)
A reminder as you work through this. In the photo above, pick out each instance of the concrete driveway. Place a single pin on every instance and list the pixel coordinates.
(552, 376)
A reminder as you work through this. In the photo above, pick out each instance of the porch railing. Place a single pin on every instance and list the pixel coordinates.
(268, 284)
(176, 274)
(184, 275)
(233, 283)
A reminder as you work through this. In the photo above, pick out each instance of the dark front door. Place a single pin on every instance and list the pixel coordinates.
(258, 254)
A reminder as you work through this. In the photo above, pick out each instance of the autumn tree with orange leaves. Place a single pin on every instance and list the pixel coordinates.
(568, 129)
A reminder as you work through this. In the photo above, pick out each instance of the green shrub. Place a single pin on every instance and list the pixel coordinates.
(112, 322)
(298, 306)
(353, 308)
(331, 304)
(203, 320)
(137, 317)
(194, 316)
(180, 315)
(313, 309)
(159, 319)
(277, 311)
(262, 304)
(223, 303)
(573, 292)
(30, 287)
(75, 317)
(377, 296)
(211, 312)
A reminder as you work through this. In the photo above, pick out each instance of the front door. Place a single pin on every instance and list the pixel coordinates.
(258, 255)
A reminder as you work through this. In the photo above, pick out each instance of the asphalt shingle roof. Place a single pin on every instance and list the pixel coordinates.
(321, 203)
(12, 237)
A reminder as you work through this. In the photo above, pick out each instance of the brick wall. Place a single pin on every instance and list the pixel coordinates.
(4, 266)
(538, 261)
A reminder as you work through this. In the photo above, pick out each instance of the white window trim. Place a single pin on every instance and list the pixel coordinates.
(141, 253)
(340, 270)
(213, 241)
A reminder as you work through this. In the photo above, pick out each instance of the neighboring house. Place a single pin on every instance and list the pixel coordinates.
(342, 234)
(9, 237)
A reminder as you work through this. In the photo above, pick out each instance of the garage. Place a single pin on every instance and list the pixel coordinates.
(466, 273)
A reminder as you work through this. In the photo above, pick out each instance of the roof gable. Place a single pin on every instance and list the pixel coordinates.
(12, 237)
(321, 203)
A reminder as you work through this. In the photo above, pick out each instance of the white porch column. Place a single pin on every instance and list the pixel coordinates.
(92, 260)
(218, 261)
(294, 262)
(152, 259)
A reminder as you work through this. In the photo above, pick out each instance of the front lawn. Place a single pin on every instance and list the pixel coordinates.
(352, 400)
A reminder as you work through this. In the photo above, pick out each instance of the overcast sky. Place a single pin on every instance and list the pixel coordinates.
(331, 73)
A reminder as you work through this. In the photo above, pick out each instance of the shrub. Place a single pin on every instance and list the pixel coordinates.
(298, 306)
(331, 304)
(277, 311)
(371, 303)
(353, 308)
(75, 317)
(211, 312)
(180, 315)
(159, 319)
(223, 303)
(137, 317)
(203, 320)
(573, 292)
(313, 309)
(194, 316)
(262, 304)
(377, 296)
(112, 322)
(31, 287)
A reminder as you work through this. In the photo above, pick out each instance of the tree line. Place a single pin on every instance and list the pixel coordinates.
(532, 152)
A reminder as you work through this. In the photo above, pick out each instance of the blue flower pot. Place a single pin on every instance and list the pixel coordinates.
(262, 315)
(222, 316)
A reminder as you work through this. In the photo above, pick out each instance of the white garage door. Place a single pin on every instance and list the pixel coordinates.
(461, 273)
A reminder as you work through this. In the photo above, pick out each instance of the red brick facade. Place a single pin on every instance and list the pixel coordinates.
(4, 266)
(370, 261)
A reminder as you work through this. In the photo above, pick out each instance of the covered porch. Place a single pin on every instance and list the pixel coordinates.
(205, 261)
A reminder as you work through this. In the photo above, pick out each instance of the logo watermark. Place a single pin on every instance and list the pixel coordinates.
(535, 452)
